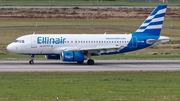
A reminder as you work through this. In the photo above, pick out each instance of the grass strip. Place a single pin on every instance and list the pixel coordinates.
(90, 86)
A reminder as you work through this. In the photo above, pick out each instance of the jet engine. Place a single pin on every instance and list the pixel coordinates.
(72, 56)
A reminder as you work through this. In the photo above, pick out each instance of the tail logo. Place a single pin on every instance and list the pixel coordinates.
(154, 21)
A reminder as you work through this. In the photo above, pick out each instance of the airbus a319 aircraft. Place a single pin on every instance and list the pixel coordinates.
(80, 47)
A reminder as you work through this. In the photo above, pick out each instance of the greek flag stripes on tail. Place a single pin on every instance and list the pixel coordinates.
(153, 23)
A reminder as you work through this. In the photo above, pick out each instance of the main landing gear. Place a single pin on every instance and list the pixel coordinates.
(31, 61)
(90, 62)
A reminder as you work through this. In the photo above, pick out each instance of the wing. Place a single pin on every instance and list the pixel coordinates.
(102, 49)
(93, 49)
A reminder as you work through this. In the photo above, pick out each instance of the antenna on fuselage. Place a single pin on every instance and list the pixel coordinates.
(34, 33)
(104, 32)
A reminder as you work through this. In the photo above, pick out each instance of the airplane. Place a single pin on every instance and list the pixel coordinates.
(80, 47)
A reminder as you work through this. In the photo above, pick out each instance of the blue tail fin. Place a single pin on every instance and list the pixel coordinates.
(153, 24)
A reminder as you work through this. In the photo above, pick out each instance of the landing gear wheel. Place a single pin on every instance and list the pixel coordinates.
(80, 62)
(31, 62)
(90, 62)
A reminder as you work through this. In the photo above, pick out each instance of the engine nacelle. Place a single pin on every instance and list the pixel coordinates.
(72, 56)
(53, 56)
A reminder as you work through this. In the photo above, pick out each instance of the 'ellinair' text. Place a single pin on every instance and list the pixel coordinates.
(48, 40)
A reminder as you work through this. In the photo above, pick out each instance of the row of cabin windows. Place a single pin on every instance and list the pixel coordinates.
(97, 41)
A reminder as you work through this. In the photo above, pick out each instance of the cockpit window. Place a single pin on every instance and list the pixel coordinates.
(19, 41)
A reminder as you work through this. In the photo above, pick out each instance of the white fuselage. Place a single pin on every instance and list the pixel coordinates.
(55, 43)
(48, 43)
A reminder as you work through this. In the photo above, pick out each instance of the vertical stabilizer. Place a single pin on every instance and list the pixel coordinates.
(153, 24)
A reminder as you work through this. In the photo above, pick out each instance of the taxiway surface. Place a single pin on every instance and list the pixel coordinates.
(100, 65)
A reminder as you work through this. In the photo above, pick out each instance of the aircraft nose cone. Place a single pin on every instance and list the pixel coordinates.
(10, 48)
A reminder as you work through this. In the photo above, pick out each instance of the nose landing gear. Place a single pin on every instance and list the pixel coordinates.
(31, 61)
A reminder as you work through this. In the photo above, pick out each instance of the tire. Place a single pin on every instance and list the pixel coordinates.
(90, 62)
(31, 62)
